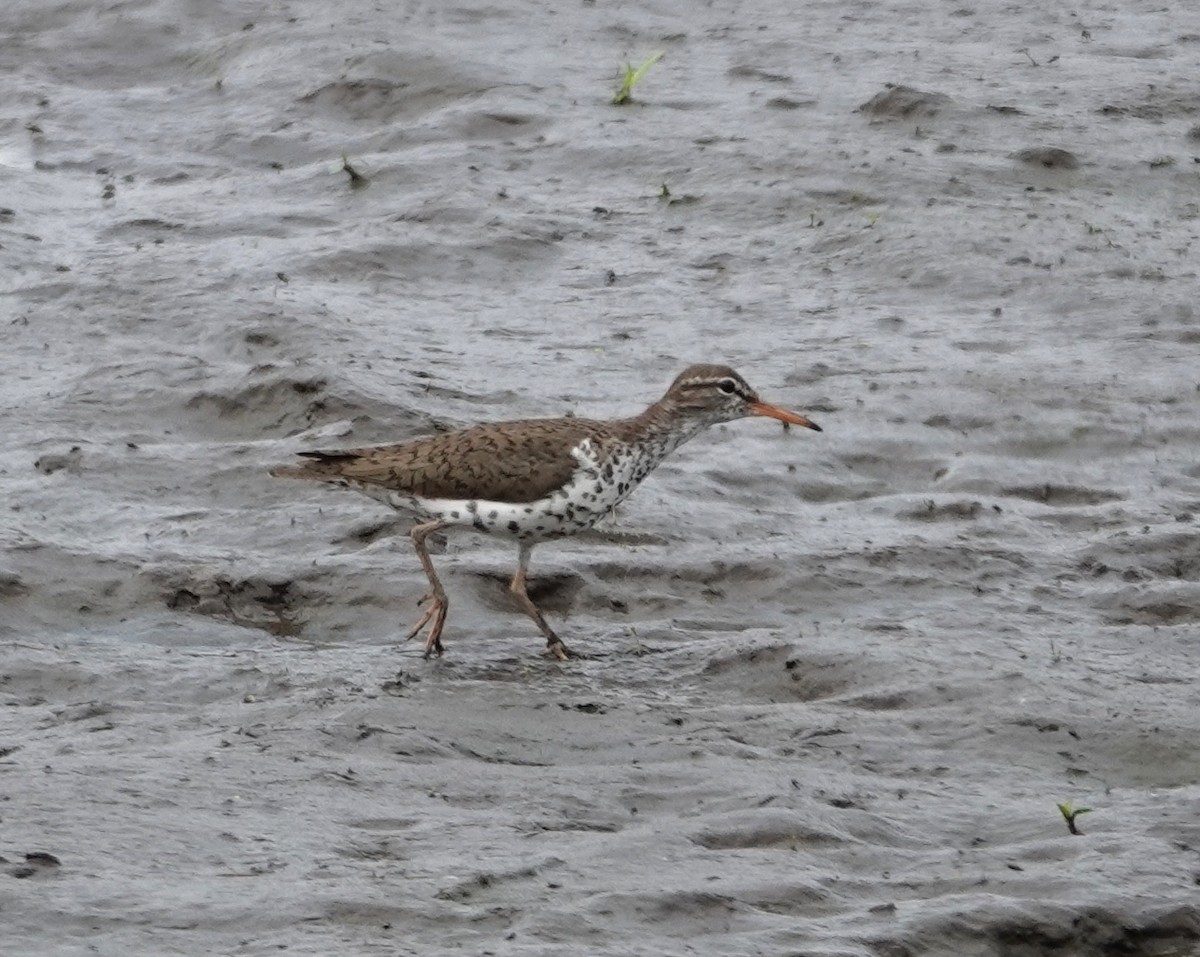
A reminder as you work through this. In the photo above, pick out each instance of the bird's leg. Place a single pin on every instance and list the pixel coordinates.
(554, 644)
(435, 614)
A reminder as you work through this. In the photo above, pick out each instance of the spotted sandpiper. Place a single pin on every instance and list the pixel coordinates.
(535, 479)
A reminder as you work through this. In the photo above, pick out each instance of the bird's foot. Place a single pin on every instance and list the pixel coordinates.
(435, 617)
(556, 649)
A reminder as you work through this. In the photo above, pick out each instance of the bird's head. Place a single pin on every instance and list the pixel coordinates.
(715, 393)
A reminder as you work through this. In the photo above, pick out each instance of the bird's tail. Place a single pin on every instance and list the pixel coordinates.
(319, 466)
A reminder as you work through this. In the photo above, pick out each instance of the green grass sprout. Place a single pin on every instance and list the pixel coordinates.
(631, 77)
(1070, 812)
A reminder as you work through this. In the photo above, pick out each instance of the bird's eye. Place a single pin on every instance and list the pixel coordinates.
(728, 386)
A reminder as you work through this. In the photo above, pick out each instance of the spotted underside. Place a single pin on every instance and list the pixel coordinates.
(596, 485)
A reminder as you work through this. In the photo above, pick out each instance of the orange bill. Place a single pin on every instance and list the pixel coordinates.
(783, 415)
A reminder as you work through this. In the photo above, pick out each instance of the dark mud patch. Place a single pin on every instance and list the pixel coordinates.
(12, 585)
(1051, 930)
(956, 511)
(272, 405)
(369, 532)
(498, 885)
(642, 587)
(905, 468)
(1063, 495)
(690, 913)
(272, 606)
(35, 864)
(1048, 157)
(418, 86)
(905, 103)
(555, 593)
(495, 253)
(1156, 556)
(1153, 605)
(777, 673)
(768, 830)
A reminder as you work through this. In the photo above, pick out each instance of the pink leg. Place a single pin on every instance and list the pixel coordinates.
(554, 644)
(435, 614)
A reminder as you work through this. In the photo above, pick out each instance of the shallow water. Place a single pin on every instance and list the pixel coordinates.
(838, 682)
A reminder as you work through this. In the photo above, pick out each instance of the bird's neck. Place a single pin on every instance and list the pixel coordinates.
(663, 427)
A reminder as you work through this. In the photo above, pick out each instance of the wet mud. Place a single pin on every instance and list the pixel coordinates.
(836, 685)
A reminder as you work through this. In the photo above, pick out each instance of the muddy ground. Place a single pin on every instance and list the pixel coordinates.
(837, 683)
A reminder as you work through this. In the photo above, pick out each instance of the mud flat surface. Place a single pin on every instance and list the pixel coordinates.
(838, 682)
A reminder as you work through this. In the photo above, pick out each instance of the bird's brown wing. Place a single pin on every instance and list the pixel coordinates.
(501, 462)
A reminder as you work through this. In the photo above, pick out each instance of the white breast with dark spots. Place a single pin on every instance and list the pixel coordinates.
(600, 484)
(597, 486)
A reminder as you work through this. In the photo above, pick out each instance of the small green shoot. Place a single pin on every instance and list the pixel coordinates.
(1070, 812)
(665, 192)
(357, 180)
(631, 77)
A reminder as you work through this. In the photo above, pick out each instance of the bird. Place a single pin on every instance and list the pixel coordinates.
(532, 480)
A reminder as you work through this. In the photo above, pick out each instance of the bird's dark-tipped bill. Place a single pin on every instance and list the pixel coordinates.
(783, 415)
